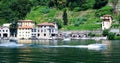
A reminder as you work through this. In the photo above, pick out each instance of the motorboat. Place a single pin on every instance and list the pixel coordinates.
(96, 46)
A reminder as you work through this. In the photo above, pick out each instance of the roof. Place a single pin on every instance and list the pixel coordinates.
(3, 27)
(106, 17)
(25, 21)
(46, 24)
(25, 27)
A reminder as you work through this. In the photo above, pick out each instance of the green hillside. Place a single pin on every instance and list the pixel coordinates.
(90, 21)
(81, 14)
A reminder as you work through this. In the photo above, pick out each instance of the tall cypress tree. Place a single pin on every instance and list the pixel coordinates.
(65, 17)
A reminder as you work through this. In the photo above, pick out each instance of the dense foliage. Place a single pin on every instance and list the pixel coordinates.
(105, 32)
(79, 12)
(111, 36)
(12, 10)
(100, 3)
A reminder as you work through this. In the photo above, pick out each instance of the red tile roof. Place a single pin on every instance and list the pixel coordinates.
(46, 24)
(25, 21)
(107, 15)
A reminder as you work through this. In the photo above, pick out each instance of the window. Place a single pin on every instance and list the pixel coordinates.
(44, 34)
(38, 34)
(49, 30)
(6, 30)
(44, 30)
(3, 30)
(34, 30)
(52, 30)
(0, 30)
(103, 23)
(41, 30)
(52, 34)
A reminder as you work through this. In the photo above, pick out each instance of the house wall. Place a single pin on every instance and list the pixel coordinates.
(4, 32)
(46, 32)
(25, 29)
(106, 22)
(24, 33)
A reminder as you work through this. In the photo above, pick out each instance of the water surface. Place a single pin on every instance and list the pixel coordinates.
(34, 51)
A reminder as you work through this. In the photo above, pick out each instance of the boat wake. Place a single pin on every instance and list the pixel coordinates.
(11, 44)
(90, 47)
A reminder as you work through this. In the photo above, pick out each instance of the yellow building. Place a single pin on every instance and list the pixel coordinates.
(25, 29)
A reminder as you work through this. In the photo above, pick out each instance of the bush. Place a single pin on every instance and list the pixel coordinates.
(105, 32)
(100, 3)
(103, 11)
(77, 9)
(91, 34)
(57, 21)
(80, 21)
(117, 37)
(111, 36)
(45, 10)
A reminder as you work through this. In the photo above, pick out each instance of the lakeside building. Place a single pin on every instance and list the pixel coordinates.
(47, 31)
(106, 21)
(25, 29)
(5, 31)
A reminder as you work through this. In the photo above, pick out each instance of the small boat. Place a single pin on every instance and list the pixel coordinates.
(96, 46)
(66, 39)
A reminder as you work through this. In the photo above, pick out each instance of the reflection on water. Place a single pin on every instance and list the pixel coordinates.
(60, 55)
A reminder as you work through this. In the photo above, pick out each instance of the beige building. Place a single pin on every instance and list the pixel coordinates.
(47, 30)
(25, 29)
(106, 21)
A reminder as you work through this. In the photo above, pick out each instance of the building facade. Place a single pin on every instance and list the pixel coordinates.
(106, 21)
(24, 30)
(46, 30)
(4, 32)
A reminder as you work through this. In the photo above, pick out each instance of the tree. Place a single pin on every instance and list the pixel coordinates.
(118, 19)
(51, 3)
(12, 10)
(105, 32)
(111, 36)
(114, 4)
(100, 3)
(65, 17)
(21, 8)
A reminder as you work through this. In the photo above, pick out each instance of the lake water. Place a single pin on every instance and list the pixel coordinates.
(38, 51)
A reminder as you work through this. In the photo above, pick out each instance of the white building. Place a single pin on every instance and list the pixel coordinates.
(25, 29)
(106, 21)
(46, 30)
(4, 32)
